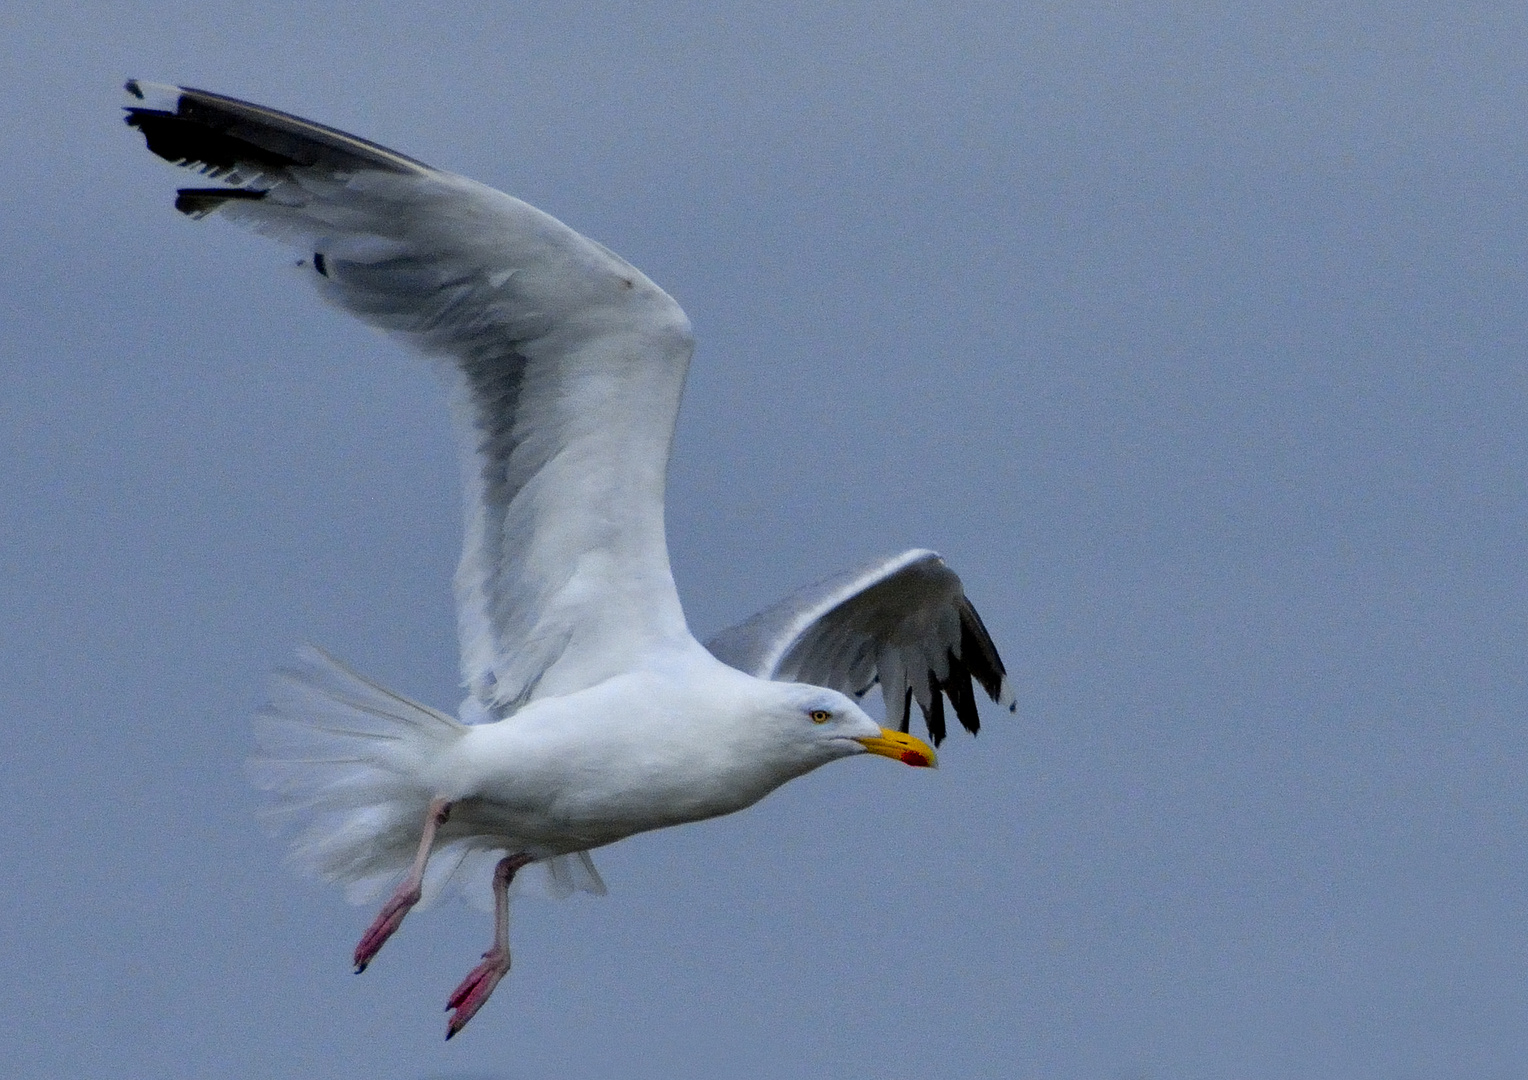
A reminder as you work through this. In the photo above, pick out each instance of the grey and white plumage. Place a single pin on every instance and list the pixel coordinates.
(592, 713)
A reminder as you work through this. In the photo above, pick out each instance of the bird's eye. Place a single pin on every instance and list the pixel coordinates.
(820, 716)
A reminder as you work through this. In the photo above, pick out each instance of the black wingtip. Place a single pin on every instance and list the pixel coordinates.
(199, 202)
(132, 87)
(200, 144)
(933, 716)
(978, 653)
(958, 689)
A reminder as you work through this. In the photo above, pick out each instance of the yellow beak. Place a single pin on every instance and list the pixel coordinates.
(905, 748)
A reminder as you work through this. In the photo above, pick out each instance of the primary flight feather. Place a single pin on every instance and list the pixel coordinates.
(592, 713)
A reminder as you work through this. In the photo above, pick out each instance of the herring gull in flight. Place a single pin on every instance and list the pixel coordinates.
(592, 713)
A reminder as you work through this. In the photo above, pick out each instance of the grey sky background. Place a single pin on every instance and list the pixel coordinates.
(1193, 336)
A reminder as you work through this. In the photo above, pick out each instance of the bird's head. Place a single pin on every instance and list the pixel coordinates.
(822, 725)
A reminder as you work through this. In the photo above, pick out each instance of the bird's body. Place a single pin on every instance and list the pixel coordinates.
(539, 778)
(592, 712)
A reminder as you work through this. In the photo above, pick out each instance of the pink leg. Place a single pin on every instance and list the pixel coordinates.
(407, 893)
(469, 997)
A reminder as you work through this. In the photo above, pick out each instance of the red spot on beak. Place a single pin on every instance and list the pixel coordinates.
(912, 757)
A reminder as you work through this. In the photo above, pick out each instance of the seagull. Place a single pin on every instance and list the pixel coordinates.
(592, 713)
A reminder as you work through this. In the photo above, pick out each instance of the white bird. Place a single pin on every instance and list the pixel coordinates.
(592, 713)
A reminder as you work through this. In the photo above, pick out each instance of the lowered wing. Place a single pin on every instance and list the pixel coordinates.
(903, 622)
(567, 366)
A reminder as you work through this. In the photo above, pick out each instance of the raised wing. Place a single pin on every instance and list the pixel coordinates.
(903, 622)
(567, 365)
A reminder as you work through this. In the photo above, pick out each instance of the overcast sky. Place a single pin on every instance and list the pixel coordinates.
(1193, 335)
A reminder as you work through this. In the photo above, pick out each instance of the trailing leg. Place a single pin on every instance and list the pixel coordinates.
(475, 989)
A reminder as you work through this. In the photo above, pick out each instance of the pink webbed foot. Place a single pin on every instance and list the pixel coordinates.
(475, 989)
(383, 926)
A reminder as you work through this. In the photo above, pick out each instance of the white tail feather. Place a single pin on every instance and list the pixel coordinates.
(344, 758)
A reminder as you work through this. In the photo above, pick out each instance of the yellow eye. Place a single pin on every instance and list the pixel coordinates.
(820, 716)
